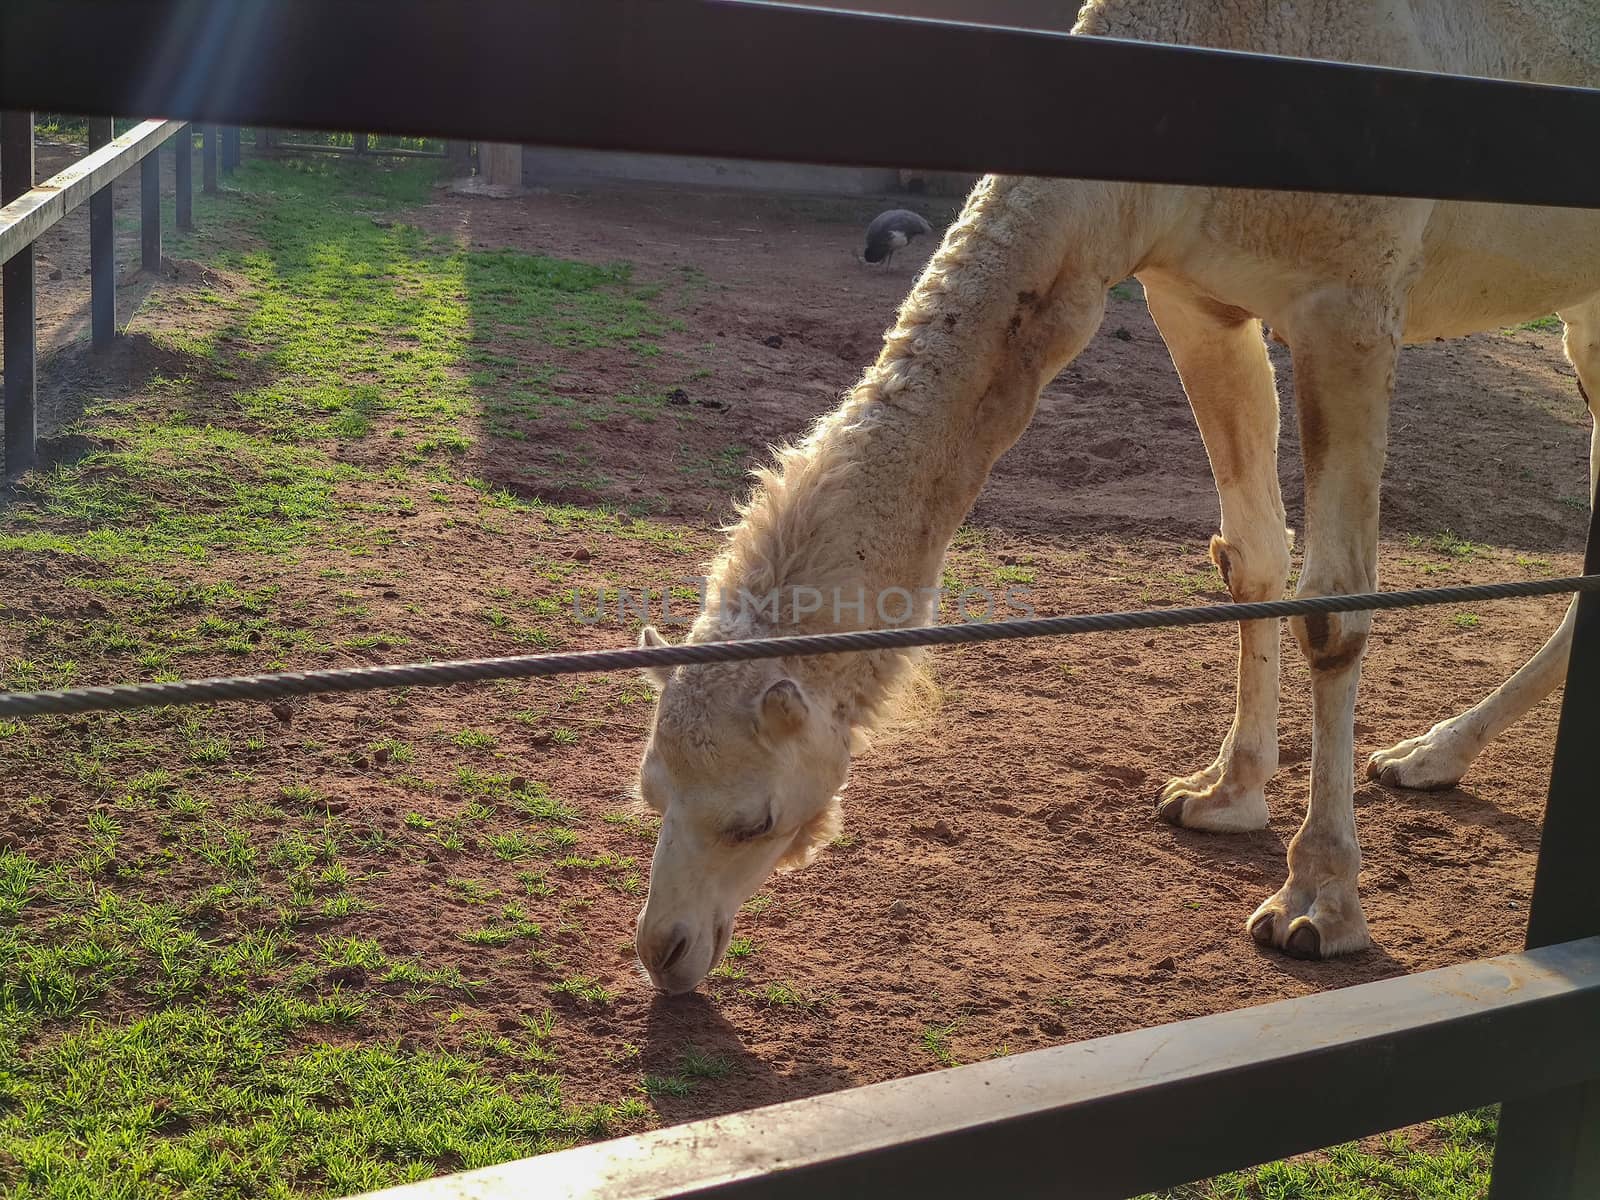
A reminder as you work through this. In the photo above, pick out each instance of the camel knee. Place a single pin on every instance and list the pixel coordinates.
(1256, 572)
(1332, 641)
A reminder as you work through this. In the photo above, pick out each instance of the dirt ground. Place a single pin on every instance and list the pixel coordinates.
(1002, 885)
(1004, 878)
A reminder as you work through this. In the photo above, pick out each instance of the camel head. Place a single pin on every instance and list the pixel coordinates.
(745, 768)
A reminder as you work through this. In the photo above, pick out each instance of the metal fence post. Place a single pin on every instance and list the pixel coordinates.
(209, 160)
(183, 177)
(360, 142)
(102, 248)
(150, 212)
(17, 281)
(230, 148)
(1549, 1145)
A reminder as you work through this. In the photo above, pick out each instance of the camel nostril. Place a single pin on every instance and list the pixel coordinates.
(679, 946)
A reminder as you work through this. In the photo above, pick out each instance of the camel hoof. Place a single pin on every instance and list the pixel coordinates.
(1261, 929)
(1304, 942)
(1170, 811)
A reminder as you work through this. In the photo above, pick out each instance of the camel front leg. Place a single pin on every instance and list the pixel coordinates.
(1344, 353)
(1223, 363)
(1439, 758)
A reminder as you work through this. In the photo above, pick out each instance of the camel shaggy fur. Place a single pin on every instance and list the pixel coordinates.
(745, 761)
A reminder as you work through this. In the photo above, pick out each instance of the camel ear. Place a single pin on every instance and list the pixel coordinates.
(783, 708)
(658, 676)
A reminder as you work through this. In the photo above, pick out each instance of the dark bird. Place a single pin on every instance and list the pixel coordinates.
(891, 230)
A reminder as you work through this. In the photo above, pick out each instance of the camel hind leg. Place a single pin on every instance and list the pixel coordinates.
(1439, 758)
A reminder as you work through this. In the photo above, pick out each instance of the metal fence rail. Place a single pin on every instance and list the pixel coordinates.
(804, 85)
(279, 684)
(767, 81)
(1120, 1115)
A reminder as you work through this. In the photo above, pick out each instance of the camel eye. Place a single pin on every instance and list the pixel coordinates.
(750, 833)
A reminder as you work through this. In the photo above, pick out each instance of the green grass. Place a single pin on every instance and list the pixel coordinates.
(1549, 324)
(194, 1101)
(936, 1041)
(1454, 1166)
(192, 998)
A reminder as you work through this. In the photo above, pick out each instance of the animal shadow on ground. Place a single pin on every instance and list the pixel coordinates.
(709, 1072)
(1464, 806)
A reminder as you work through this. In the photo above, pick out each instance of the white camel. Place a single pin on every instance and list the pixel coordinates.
(745, 761)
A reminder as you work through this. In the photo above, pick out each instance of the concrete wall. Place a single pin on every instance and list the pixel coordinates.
(544, 166)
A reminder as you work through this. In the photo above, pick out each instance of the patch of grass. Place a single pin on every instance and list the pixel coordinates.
(230, 1105)
(1455, 1167)
(1456, 547)
(585, 988)
(1466, 620)
(511, 846)
(164, 489)
(667, 1085)
(1549, 324)
(695, 1063)
(936, 1041)
(784, 995)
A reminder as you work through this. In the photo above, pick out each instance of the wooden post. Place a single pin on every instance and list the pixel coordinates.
(360, 140)
(209, 160)
(183, 177)
(17, 281)
(500, 163)
(102, 249)
(150, 212)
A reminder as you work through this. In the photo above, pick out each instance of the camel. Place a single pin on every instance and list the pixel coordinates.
(745, 761)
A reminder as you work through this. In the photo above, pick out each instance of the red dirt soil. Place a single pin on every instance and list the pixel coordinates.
(1003, 876)
(1004, 873)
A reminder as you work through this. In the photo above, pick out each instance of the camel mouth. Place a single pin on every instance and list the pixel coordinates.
(673, 980)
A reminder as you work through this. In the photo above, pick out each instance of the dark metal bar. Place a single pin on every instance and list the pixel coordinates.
(360, 142)
(230, 148)
(208, 156)
(1117, 1116)
(150, 213)
(805, 85)
(183, 176)
(102, 248)
(18, 280)
(1549, 1144)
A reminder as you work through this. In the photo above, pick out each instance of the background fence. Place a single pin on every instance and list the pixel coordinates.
(1101, 1118)
(29, 207)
